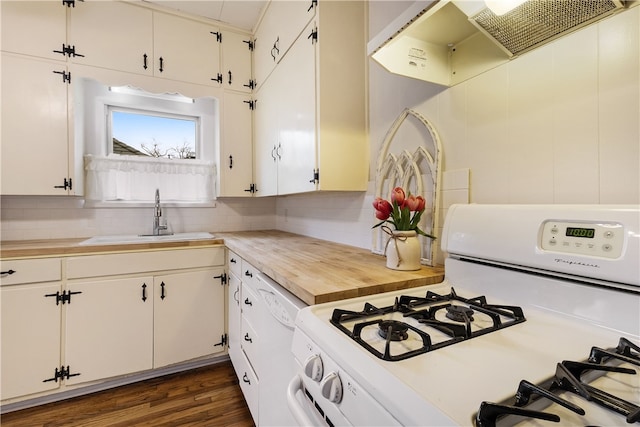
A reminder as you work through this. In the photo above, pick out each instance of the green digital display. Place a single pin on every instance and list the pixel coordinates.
(588, 233)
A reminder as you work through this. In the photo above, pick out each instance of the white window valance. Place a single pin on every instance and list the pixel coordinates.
(134, 178)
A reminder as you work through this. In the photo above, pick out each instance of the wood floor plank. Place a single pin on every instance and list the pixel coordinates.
(208, 396)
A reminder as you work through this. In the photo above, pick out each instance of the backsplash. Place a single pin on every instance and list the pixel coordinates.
(30, 217)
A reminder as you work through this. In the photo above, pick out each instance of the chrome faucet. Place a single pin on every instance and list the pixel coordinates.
(157, 214)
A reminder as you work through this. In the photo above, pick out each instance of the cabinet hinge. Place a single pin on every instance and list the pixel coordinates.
(63, 298)
(253, 188)
(316, 176)
(250, 44)
(251, 85)
(313, 36)
(218, 78)
(68, 51)
(223, 340)
(314, 4)
(222, 277)
(218, 36)
(70, 3)
(61, 374)
(66, 77)
(66, 185)
(252, 104)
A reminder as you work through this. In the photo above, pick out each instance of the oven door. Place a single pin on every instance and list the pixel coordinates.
(305, 411)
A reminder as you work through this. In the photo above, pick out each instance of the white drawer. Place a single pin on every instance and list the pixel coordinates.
(234, 263)
(251, 306)
(250, 342)
(15, 272)
(248, 384)
(143, 262)
(249, 275)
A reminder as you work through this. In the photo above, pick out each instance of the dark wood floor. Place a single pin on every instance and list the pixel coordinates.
(208, 396)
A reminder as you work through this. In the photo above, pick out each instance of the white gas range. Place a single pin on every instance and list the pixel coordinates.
(538, 319)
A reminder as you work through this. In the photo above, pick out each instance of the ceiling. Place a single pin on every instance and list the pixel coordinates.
(243, 14)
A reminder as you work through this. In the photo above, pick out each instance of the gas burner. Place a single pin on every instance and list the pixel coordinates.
(393, 330)
(458, 313)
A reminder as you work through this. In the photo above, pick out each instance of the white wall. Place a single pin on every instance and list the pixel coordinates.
(561, 124)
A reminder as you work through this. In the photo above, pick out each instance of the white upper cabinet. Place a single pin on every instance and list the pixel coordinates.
(112, 35)
(236, 61)
(236, 153)
(281, 25)
(36, 151)
(310, 118)
(35, 28)
(186, 50)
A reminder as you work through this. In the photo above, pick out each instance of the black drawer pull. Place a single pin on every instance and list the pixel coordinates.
(7, 273)
(247, 338)
(245, 378)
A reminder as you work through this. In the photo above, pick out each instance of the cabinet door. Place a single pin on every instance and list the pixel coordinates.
(35, 155)
(291, 18)
(297, 122)
(188, 316)
(30, 348)
(265, 53)
(186, 50)
(109, 325)
(233, 302)
(236, 161)
(266, 138)
(112, 35)
(236, 60)
(37, 28)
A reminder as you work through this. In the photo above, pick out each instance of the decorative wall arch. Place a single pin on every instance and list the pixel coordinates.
(418, 171)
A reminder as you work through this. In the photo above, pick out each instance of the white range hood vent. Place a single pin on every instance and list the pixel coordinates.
(449, 41)
(538, 21)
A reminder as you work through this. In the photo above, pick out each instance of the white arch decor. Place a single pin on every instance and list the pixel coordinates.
(418, 172)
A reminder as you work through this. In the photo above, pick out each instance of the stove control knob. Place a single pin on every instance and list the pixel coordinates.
(313, 367)
(331, 387)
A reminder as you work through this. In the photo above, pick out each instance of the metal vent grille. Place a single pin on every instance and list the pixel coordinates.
(537, 21)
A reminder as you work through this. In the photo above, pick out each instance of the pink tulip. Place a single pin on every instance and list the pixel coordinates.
(398, 196)
(421, 203)
(383, 208)
(412, 202)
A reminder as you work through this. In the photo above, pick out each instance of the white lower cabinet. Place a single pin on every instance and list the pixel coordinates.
(30, 339)
(188, 316)
(30, 317)
(109, 328)
(110, 315)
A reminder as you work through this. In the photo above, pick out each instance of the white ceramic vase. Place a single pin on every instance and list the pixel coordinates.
(403, 251)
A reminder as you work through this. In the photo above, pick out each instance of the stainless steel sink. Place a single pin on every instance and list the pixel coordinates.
(132, 238)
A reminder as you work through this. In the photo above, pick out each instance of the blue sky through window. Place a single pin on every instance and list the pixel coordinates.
(146, 132)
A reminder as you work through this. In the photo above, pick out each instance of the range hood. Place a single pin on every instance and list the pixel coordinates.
(449, 41)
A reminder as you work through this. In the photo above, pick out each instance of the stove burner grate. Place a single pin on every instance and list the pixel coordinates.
(424, 310)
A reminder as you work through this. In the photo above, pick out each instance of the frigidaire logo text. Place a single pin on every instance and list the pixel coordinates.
(580, 263)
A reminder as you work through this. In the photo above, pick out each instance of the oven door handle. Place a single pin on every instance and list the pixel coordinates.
(295, 407)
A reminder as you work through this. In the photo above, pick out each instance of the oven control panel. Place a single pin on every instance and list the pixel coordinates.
(597, 239)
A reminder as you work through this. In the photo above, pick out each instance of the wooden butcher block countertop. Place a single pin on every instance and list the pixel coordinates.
(318, 271)
(314, 270)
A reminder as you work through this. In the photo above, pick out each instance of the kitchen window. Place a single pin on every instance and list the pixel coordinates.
(136, 141)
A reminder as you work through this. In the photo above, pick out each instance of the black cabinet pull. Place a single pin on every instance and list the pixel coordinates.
(161, 64)
(229, 76)
(235, 295)
(245, 378)
(144, 61)
(247, 302)
(162, 295)
(230, 162)
(233, 260)
(246, 337)
(144, 292)
(7, 273)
